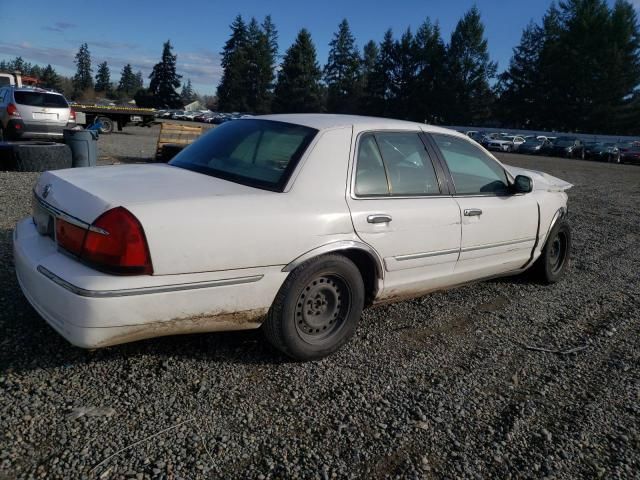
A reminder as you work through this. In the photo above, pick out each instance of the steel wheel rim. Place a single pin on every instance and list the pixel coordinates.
(558, 252)
(322, 308)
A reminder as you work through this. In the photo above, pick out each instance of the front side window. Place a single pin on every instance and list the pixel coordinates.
(473, 171)
(258, 153)
(396, 164)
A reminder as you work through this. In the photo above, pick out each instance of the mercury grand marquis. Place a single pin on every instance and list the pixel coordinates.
(291, 223)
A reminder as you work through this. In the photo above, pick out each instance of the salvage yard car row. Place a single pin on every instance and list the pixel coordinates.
(203, 116)
(562, 146)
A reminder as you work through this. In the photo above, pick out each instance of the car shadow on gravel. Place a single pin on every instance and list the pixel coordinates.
(29, 343)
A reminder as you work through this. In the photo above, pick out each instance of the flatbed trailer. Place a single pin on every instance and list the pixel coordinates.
(112, 117)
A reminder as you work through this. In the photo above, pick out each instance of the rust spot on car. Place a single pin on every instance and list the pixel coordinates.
(212, 322)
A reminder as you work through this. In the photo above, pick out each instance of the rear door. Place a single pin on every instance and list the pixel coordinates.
(499, 229)
(400, 205)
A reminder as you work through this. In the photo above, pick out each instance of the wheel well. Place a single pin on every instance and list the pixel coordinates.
(368, 271)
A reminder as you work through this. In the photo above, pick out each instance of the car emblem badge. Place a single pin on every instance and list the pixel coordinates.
(46, 191)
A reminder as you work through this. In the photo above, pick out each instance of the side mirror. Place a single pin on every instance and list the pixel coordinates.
(522, 184)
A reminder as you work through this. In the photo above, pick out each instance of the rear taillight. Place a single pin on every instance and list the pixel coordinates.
(69, 236)
(72, 114)
(12, 110)
(121, 246)
(114, 243)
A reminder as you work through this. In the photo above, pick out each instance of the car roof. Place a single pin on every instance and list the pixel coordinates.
(324, 121)
(34, 90)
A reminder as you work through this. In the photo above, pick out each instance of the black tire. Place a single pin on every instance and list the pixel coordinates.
(107, 125)
(1, 134)
(582, 154)
(41, 156)
(317, 309)
(554, 261)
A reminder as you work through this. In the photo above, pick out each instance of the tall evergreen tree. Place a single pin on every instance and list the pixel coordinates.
(428, 98)
(50, 78)
(270, 31)
(187, 95)
(298, 88)
(469, 70)
(379, 84)
(128, 84)
(342, 72)
(232, 90)
(164, 80)
(261, 64)
(83, 79)
(139, 80)
(103, 78)
(404, 75)
(519, 85)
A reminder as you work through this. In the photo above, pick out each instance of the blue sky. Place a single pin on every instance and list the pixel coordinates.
(132, 31)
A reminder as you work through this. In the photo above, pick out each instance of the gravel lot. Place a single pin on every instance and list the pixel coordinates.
(442, 386)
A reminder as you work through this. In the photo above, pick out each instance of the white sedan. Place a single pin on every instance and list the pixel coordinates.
(292, 223)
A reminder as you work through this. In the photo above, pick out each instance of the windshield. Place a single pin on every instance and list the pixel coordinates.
(258, 153)
(40, 99)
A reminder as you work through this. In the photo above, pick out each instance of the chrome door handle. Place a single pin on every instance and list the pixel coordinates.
(472, 212)
(379, 218)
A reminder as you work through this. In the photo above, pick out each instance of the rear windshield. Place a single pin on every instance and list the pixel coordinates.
(40, 99)
(258, 153)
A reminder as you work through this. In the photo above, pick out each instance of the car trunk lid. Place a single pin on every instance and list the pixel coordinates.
(86, 193)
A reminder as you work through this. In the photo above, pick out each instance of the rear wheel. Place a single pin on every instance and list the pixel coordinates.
(554, 260)
(317, 308)
(41, 156)
(107, 125)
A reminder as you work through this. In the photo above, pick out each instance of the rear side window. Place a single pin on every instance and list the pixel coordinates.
(258, 153)
(473, 171)
(394, 164)
(40, 99)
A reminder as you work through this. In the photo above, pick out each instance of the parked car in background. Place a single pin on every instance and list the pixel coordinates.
(168, 113)
(404, 209)
(507, 143)
(569, 147)
(631, 155)
(178, 115)
(602, 151)
(203, 116)
(27, 112)
(535, 146)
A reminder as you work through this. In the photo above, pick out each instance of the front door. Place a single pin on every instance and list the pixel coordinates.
(499, 229)
(400, 206)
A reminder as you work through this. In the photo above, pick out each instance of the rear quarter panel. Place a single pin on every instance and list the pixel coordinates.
(244, 231)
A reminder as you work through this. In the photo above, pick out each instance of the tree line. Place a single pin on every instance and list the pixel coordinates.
(85, 86)
(578, 69)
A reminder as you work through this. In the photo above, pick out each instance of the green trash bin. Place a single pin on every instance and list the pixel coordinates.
(84, 147)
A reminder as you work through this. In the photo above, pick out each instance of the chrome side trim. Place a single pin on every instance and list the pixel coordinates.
(334, 247)
(498, 244)
(66, 217)
(145, 290)
(414, 256)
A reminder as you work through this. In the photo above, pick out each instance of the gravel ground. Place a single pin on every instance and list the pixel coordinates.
(439, 387)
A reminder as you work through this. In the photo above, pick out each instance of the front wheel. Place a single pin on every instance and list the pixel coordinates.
(317, 308)
(553, 263)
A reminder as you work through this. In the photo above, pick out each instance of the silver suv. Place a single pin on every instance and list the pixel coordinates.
(33, 113)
